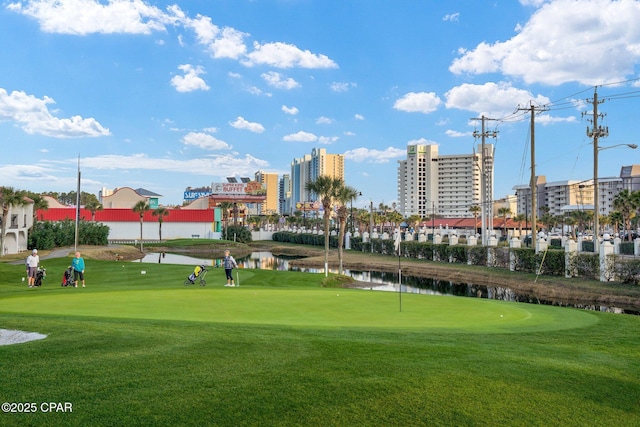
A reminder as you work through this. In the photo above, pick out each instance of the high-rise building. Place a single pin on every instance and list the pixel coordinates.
(308, 168)
(444, 185)
(284, 194)
(269, 182)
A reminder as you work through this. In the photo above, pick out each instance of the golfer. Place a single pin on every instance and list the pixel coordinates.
(78, 269)
(229, 264)
(32, 263)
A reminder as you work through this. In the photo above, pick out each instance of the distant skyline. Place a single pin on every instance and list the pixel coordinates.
(165, 95)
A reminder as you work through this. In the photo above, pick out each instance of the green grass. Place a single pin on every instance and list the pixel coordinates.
(143, 349)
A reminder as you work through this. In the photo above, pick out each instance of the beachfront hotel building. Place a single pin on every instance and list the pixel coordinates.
(308, 168)
(444, 185)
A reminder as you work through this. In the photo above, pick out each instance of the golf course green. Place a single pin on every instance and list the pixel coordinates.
(138, 347)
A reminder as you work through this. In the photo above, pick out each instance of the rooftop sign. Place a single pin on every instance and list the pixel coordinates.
(229, 188)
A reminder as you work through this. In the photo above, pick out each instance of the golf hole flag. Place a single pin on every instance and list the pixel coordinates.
(396, 244)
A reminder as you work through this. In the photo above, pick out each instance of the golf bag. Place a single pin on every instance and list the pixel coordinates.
(198, 275)
(67, 278)
(40, 275)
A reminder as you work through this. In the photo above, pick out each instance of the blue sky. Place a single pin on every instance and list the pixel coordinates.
(169, 94)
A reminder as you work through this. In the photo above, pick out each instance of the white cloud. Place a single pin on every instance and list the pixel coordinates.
(327, 139)
(546, 119)
(422, 141)
(421, 102)
(225, 43)
(208, 165)
(359, 117)
(457, 134)
(258, 92)
(590, 42)
(341, 87)
(33, 115)
(191, 80)
(276, 80)
(367, 155)
(81, 17)
(242, 123)
(282, 55)
(452, 17)
(324, 121)
(301, 136)
(204, 141)
(494, 100)
(535, 3)
(290, 110)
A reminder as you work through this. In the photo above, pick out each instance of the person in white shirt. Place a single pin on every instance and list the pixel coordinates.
(33, 261)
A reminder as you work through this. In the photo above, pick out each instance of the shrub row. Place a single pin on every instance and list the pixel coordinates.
(48, 235)
(551, 263)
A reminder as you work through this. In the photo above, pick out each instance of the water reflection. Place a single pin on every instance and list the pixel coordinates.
(382, 281)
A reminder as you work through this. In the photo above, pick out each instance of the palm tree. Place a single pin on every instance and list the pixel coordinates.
(623, 203)
(140, 208)
(570, 221)
(519, 218)
(344, 194)
(414, 220)
(39, 203)
(224, 207)
(324, 187)
(635, 199)
(8, 197)
(615, 218)
(475, 210)
(93, 206)
(160, 212)
(503, 212)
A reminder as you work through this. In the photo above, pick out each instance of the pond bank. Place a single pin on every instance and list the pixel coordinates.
(570, 291)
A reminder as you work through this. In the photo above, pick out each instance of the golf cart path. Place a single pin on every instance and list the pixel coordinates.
(56, 253)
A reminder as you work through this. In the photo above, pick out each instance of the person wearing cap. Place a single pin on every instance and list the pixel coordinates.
(33, 261)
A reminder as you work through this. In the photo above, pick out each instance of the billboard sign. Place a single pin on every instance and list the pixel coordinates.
(229, 188)
(193, 195)
(308, 206)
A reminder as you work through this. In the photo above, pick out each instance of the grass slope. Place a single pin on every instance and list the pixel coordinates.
(143, 349)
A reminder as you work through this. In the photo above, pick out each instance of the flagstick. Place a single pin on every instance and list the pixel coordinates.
(399, 280)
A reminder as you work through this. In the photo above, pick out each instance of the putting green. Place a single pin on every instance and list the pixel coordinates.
(309, 308)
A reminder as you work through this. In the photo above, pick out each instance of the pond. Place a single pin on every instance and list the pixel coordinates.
(383, 281)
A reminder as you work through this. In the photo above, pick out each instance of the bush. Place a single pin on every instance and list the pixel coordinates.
(586, 265)
(477, 255)
(237, 233)
(48, 235)
(628, 271)
(553, 263)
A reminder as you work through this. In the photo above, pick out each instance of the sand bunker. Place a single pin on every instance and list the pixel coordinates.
(8, 337)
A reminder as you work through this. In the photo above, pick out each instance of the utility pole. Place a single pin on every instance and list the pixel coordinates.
(533, 183)
(486, 184)
(595, 133)
(75, 247)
